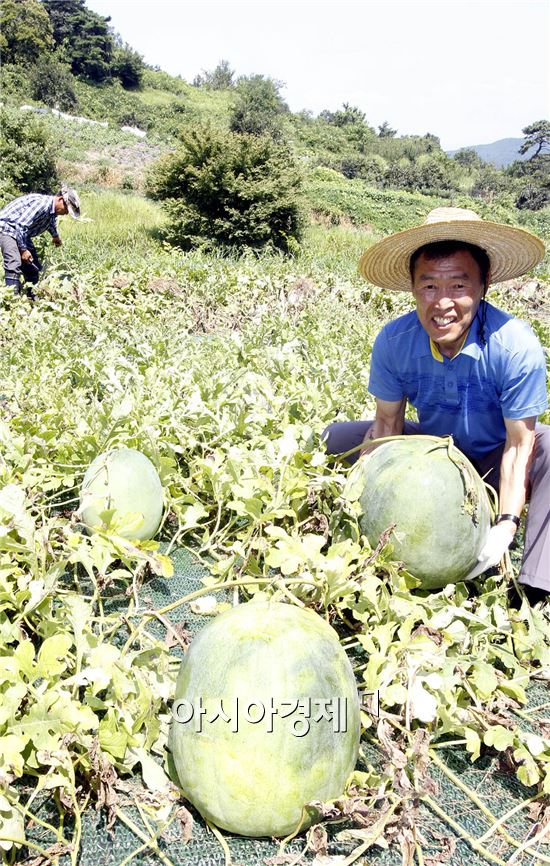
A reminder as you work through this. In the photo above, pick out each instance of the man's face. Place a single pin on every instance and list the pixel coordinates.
(61, 208)
(447, 293)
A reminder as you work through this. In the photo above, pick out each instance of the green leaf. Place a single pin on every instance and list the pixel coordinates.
(12, 825)
(11, 753)
(24, 656)
(111, 740)
(473, 743)
(499, 737)
(152, 773)
(513, 690)
(394, 694)
(528, 773)
(52, 656)
(484, 679)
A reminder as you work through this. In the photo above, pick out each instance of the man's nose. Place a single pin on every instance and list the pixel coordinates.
(442, 294)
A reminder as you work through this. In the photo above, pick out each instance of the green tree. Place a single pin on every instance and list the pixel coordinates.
(489, 181)
(220, 78)
(531, 181)
(27, 159)
(25, 32)
(401, 175)
(259, 107)
(348, 115)
(533, 198)
(431, 142)
(385, 130)
(536, 135)
(370, 168)
(53, 84)
(468, 158)
(531, 177)
(229, 190)
(84, 38)
(127, 66)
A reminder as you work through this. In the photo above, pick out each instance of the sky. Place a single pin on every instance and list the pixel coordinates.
(470, 72)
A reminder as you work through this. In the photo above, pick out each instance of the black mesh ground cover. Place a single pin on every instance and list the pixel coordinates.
(497, 789)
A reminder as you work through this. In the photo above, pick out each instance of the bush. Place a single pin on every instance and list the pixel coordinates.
(15, 83)
(26, 31)
(109, 101)
(127, 67)
(229, 190)
(27, 160)
(532, 198)
(370, 168)
(53, 84)
(258, 107)
(220, 78)
(159, 80)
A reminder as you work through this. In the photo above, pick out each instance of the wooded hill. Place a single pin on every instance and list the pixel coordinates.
(59, 54)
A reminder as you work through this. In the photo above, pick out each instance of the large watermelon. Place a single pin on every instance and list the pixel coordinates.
(437, 501)
(238, 773)
(125, 480)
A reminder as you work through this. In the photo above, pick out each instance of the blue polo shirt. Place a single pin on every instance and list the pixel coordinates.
(467, 396)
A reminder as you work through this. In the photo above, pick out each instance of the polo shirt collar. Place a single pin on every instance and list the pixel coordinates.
(471, 347)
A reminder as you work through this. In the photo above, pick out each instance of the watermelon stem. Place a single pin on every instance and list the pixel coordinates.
(206, 590)
(458, 828)
(149, 842)
(221, 840)
(378, 829)
(382, 439)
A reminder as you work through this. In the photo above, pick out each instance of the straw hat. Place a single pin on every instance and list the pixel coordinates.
(511, 251)
(72, 202)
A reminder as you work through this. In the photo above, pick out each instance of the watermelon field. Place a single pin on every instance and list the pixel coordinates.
(224, 371)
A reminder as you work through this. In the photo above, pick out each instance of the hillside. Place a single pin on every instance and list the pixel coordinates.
(119, 90)
(500, 153)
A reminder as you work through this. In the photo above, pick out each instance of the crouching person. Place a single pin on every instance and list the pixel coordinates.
(25, 218)
(471, 370)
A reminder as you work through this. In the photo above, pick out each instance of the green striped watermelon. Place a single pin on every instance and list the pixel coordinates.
(257, 779)
(438, 503)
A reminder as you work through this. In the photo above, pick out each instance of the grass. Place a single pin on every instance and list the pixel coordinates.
(121, 233)
(152, 97)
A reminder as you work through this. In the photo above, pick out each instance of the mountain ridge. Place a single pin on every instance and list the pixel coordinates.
(500, 153)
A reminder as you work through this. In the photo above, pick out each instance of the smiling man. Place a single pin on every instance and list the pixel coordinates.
(468, 368)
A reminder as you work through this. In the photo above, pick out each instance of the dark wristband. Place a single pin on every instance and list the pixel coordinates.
(500, 517)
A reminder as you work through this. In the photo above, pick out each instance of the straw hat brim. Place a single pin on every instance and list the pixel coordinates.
(512, 251)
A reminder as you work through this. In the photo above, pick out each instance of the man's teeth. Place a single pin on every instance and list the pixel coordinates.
(442, 320)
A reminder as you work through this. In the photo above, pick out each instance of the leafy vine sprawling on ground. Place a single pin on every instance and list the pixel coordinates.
(225, 373)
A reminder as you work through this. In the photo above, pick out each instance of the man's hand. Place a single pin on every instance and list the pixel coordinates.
(388, 421)
(496, 544)
(57, 242)
(26, 256)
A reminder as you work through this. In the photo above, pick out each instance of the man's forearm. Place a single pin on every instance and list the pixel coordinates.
(388, 421)
(514, 477)
(385, 427)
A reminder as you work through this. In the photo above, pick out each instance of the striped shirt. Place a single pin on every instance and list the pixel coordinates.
(28, 216)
